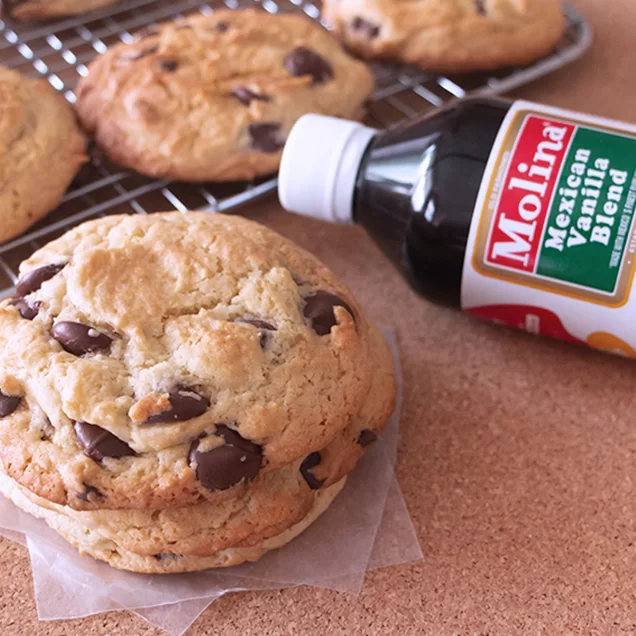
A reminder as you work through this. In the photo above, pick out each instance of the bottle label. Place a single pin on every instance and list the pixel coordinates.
(552, 246)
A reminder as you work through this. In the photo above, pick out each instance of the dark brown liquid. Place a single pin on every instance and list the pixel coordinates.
(417, 190)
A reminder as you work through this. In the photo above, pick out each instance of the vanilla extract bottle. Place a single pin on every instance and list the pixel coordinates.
(511, 211)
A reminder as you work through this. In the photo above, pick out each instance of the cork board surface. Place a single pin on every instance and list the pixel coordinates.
(517, 457)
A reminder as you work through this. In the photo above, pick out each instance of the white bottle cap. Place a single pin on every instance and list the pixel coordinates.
(320, 167)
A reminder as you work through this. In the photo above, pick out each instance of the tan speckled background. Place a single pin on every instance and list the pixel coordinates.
(517, 459)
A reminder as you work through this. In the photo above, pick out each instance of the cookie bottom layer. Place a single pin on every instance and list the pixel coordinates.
(90, 542)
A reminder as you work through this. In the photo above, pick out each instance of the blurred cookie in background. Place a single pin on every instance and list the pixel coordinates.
(212, 98)
(450, 36)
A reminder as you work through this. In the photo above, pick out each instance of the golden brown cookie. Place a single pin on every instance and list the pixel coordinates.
(42, 150)
(49, 9)
(127, 539)
(213, 98)
(161, 361)
(448, 35)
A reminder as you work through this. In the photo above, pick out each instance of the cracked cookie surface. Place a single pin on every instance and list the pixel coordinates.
(42, 150)
(448, 35)
(212, 98)
(166, 360)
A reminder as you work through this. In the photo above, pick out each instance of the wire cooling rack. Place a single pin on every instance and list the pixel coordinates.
(60, 51)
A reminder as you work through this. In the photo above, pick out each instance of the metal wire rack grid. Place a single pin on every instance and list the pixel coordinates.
(60, 51)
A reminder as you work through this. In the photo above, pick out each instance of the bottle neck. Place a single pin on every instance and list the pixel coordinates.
(394, 182)
(417, 189)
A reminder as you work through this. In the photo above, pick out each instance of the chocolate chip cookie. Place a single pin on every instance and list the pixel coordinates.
(183, 391)
(213, 98)
(49, 9)
(42, 150)
(167, 360)
(448, 35)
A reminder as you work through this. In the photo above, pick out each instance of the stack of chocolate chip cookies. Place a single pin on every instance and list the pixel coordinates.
(183, 391)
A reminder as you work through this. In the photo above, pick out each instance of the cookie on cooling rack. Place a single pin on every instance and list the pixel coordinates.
(42, 150)
(212, 98)
(182, 391)
(49, 9)
(448, 35)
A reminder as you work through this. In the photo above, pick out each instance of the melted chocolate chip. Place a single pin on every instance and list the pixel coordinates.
(370, 29)
(32, 281)
(259, 324)
(185, 404)
(8, 403)
(263, 326)
(139, 55)
(80, 339)
(319, 311)
(90, 493)
(224, 466)
(480, 7)
(366, 438)
(311, 461)
(164, 556)
(265, 137)
(246, 96)
(28, 309)
(221, 27)
(304, 61)
(98, 443)
(168, 65)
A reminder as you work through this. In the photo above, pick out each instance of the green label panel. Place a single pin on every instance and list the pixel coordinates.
(590, 217)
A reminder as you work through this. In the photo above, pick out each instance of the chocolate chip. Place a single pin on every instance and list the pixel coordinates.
(311, 461)
(263, 326)
(185, 404)
(8, 403)
(246, 96)
(169, 65)
(304, 61)
(79, 339)
(99, 443)
(138, 55)
(164, 556)
(27, 309)
(32, 281)
(265, 137)
(90, 493)
(366, 438)
(480, 7)
(221, 27)
(224, 466)
(259, 324)
(368, 28)
(319, 311)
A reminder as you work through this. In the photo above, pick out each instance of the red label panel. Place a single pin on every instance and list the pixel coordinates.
(526, 193)
(536, 320)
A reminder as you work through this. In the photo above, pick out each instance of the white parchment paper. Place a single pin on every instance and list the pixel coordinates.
(367, 526)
